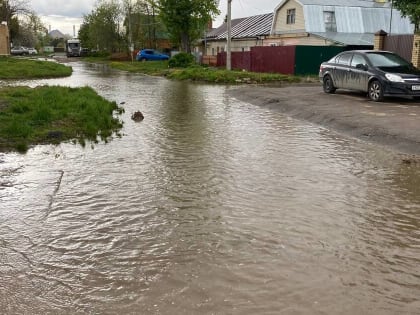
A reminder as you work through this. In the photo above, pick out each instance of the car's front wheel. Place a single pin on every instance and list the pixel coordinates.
(375, 91)
(328, 84)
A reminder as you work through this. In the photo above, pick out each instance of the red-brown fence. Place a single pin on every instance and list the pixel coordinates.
(274, 59)
(262, 59)
(298, 60)
(400, 44)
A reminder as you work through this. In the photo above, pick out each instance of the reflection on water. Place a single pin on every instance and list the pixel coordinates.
(208, 206)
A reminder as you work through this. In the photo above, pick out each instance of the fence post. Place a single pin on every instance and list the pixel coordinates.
(380, 40)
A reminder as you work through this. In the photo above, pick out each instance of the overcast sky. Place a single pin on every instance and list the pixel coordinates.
(66, 14)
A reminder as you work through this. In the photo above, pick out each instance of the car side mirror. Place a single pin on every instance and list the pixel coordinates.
(361, 66)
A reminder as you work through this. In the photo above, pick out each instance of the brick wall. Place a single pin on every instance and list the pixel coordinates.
(415, 59)
(4, 40)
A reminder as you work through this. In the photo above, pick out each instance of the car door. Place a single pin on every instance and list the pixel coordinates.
(154, 55)
(148, 54)
(358, 75)
(341, 70)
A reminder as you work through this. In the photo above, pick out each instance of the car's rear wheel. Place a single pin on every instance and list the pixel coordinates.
(328, 84)
(375, 91)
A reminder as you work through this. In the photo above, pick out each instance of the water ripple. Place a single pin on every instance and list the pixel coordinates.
(210, 205)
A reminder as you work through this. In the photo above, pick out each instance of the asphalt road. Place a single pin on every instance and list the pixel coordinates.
(394, 123)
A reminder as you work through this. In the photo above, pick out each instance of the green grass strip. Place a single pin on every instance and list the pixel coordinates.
(202, 74)
(51, 114)
(24, 68)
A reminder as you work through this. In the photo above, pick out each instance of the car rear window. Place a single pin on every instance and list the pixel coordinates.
(344, 59)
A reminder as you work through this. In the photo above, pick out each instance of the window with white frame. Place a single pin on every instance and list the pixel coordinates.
(291, 16)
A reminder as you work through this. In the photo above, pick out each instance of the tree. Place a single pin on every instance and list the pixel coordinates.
(143, 26)
(187, 19)
(11, 8)
(24, 25)
(410, 9)
(101, 28)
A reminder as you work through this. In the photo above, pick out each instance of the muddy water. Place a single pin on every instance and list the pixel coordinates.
(208, 206)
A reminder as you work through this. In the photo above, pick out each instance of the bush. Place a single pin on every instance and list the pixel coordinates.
(181, 60)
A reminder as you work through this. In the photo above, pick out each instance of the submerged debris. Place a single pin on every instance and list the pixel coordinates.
(410, 159)
(137, 116)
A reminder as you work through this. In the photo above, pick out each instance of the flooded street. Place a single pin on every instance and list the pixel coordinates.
(208, 206)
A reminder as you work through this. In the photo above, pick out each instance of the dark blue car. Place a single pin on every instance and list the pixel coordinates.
(379, 73)
(150, 54)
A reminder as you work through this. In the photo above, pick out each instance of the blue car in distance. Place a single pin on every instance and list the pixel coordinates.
(150, 55)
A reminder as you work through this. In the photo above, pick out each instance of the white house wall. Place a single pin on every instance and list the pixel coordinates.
(214, 47)
(280, 25)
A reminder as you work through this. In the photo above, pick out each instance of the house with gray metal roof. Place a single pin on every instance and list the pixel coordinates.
(245, 33)
(311, 22)
(335, 22)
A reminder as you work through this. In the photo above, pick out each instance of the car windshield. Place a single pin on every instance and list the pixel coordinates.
(387, 60)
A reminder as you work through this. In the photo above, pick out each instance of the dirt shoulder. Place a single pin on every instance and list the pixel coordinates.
(394, 123)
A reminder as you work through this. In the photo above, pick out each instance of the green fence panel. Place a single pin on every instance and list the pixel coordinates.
(308, 58)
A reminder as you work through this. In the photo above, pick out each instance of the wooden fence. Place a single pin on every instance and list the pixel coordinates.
(400, 44)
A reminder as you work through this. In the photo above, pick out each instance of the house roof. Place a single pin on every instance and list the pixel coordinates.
(352, 39)
(222, 28)
(253, 26)
(342, 3)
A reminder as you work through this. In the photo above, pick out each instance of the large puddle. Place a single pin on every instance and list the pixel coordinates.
(208, 206)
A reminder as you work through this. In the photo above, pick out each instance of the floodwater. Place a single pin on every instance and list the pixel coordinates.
(208, 206)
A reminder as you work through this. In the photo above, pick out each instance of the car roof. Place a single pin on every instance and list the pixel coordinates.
(368, 51)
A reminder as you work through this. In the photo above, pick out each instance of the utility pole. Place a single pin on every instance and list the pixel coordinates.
(229, 34)
(130, 34)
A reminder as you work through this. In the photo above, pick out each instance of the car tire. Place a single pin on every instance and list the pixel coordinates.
(142, 59)
(328, 84)
(375, 91)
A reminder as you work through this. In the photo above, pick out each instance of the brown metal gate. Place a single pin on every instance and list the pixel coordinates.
(400, 44)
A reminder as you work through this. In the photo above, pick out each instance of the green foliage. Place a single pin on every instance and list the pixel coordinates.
(181, 60)
(186, 20)
(101, 28)
(410, 9)
(143, 25)
(151, 68)
(212, 75)
(50, 114)
(18, 68)
(203, 74)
